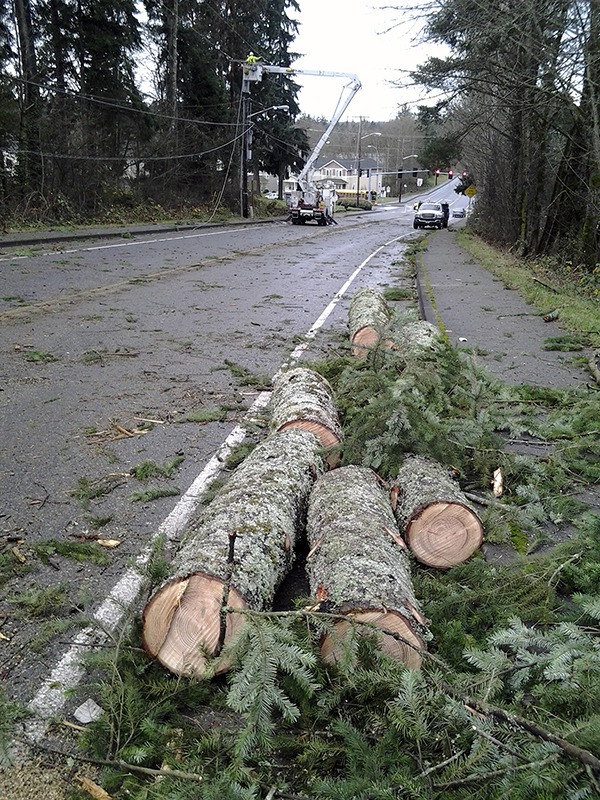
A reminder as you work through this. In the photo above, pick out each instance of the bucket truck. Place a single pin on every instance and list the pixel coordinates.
(308, 202)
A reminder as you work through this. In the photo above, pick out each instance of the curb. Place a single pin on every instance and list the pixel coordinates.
(31, 238)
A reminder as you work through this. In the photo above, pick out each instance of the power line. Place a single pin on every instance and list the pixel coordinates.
(130, 159)
(120, 106)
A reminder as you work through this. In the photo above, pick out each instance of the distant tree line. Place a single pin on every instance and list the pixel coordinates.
(78, 134)
(523, 82)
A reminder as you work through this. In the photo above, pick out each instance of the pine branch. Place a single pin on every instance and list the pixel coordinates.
(572, 750)
(498, 743)
(560, 567)
(497, 773)
(123, 765)
(314, 612)
(486, 501)
(441, 765)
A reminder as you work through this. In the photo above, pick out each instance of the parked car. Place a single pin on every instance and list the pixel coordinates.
(429, 215)
(459, 212)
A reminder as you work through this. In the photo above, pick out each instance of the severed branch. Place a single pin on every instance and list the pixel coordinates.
(593, 368)
(497, 773)
(546, 285)
(118, 764)
(587, 758)
(441, 765)
(486, 501)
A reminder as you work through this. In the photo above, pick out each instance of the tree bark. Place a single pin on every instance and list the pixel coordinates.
(358, 565)
(235, 554)
(441, 527)
(304, 399)
(416, 338)
(369, 318)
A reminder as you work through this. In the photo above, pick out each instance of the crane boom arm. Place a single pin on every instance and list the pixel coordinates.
(254, 72)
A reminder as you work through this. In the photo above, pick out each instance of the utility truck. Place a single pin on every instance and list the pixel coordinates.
(310, 202)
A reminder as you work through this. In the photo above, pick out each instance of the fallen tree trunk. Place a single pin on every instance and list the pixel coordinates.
(369, 319)
(235, 555)
(304, 399)
(358, 565)
(440, 526)
(416, 338)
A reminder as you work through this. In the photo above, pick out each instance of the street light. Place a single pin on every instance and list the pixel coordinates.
(270, 108)
(246, 148)
(412, 155)
(360, 138)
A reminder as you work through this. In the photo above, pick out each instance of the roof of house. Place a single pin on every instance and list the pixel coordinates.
(346, 163)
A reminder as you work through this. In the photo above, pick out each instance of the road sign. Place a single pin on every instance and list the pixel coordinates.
(470, 191)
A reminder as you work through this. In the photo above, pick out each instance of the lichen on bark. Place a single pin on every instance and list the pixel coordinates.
(358, 562)
(243, 541)
(302, 397)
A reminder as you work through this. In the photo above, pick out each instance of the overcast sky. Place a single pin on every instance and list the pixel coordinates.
(350, 36)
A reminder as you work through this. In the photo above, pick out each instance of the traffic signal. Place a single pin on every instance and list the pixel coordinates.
(414, 172)
(450, 174)
(400, 175)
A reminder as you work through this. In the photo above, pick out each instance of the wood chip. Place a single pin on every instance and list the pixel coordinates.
(72, 725)
(122, 430)
(498, 483)
(314, 549)
(18, 555)
(97, 792)
(396, 537)
(110, 543)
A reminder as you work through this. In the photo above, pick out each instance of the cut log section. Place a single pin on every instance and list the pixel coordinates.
(358, 565)
(441, 527)
(304, 399)
(235, 554)
(416, 338)
(369, 318)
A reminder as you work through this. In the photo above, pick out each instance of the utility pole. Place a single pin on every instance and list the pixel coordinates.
(244, 153)
(360, 119)
(401, 174)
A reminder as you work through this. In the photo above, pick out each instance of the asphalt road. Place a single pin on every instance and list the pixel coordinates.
(108, 347)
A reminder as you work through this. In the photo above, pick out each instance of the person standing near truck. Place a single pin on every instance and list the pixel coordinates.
(446, 211)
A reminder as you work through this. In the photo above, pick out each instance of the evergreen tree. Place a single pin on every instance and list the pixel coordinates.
(8, 114)
(522, 80)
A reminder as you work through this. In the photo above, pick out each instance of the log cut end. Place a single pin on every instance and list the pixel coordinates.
(389, 622)
(444, 534)
(182, 624)
(328, 438)
(366, 339)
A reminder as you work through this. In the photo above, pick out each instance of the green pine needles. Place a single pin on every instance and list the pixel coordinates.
(270, 656)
